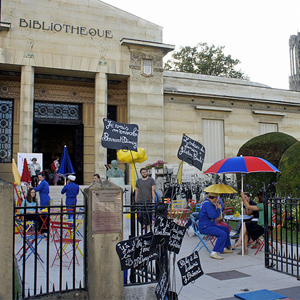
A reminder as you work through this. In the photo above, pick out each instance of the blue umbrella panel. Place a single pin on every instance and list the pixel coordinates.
(66, 167)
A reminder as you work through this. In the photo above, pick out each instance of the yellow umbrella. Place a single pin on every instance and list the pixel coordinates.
(126, 156)
(17, 176)
(220, 189)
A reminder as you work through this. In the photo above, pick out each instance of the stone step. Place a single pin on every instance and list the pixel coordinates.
(56, 196)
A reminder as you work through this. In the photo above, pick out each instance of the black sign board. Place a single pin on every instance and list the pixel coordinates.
(190, 268)
(162, 231)
(136, 251)
(119, 136)
(162, 286)
(191, 152)
(176, 237)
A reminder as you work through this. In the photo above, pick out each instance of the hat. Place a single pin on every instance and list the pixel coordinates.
(72, 177)
(213, 195)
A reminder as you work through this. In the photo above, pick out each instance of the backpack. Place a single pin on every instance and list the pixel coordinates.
(53, 167)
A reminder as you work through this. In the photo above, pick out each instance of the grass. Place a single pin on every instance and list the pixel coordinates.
(17, 283)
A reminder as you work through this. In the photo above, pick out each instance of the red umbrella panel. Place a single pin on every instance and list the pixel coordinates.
(25, 174)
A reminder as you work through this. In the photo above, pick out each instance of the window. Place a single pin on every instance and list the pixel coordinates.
(6, 125)
(267, 127)
(213, 140)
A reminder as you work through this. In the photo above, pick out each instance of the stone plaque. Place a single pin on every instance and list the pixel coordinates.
(106, 211)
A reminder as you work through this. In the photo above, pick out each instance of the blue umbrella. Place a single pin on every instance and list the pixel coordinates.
(66, 167)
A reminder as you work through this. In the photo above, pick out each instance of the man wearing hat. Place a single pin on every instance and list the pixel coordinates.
(71, 189)
(209, 212)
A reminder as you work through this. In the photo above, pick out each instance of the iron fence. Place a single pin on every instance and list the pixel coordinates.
(140, 218)
(49, 250)
(282, 246)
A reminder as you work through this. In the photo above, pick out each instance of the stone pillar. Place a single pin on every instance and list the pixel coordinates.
(100, 113)
(6, 237)
(26, 109)
(104, 231)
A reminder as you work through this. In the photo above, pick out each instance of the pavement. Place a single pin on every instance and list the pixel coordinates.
(234, 274)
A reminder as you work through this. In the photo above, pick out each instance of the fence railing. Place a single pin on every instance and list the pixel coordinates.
(49, 250)
(140, 218)
(283, 236)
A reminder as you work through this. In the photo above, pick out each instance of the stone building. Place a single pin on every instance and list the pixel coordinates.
(65, 67)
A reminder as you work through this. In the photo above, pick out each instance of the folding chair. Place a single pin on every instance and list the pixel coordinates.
(31, 239)
(64, 240)
(203, 239)
(274, 230)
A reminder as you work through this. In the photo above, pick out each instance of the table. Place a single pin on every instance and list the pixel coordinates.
(233, 218)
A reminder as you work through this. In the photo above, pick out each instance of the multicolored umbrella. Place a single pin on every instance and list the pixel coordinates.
(220, 188)
(25, 173)
(241, 164)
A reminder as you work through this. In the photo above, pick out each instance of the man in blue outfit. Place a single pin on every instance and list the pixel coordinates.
(209, 212)
(71, 189)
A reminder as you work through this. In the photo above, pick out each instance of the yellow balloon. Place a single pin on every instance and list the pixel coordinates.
(126, 156)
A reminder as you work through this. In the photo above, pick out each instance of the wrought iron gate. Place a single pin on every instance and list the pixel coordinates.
(282, 249)
(49, 250)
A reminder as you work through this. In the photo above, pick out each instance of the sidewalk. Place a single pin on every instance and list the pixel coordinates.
(236, 274)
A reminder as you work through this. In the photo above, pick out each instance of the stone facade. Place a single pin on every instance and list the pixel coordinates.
(96, 55)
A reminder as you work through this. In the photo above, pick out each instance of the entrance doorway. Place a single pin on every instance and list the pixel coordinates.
(50, 140)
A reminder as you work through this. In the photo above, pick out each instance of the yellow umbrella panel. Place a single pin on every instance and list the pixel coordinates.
(220, 189)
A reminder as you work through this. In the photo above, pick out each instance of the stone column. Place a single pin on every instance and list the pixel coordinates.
(104, 231)
(26, 109)
(100, 113)
(6, 237)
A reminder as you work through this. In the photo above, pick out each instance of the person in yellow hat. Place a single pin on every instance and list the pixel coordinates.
(209, 212)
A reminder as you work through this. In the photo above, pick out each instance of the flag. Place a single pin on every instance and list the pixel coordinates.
(179, 174)
(17, 176)
(25, 173)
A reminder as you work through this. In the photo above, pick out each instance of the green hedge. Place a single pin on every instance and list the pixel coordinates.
(271, 147)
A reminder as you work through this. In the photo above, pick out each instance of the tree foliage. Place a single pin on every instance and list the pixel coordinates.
(204, 59)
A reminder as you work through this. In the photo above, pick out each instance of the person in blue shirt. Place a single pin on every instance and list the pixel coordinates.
(209, 212)
(43, 189)
(71, 189)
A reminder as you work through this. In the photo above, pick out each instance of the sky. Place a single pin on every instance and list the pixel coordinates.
(256, 32)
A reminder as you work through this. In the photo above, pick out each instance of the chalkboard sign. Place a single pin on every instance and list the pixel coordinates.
(162, 286)
(176, 237)
(190, 268)
(191, 152)
(119, 136)
(136, 251)
(162, 231)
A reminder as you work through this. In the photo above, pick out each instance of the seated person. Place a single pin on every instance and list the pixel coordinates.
(248, 212)
(219, 219)
(209, 212)
(31, 213)
(253, 229)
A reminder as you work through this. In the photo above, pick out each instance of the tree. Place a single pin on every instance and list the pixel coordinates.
(204, 59)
